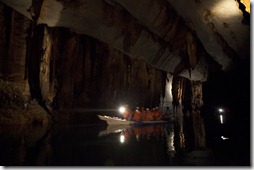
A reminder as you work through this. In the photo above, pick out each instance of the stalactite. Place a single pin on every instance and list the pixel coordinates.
(4, 41)
(45, 64)
(176, 89)
(131, 28)
(192, 50)
(197, 101)
(11, 52)
(34, 63)
(187, 97)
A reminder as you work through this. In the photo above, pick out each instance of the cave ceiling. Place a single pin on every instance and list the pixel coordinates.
(184, 37)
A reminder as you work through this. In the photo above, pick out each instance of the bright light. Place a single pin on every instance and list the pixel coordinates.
(221, 110)
(224, 138)
(221, 119)
(122, 138)
(225, 9)
(122, 109)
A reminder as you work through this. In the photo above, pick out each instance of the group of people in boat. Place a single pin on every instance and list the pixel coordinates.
(142, 114)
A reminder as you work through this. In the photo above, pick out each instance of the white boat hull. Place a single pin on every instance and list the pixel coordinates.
(114, 120)
(119, 121)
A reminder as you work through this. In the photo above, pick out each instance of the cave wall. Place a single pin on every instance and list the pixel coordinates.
(63, 70)
(88, 73)
(13, 33)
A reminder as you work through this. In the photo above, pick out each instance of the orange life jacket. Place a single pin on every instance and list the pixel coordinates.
(157, 115)
(137, 116)
(143, 115)
(148, 116)
(126, 114)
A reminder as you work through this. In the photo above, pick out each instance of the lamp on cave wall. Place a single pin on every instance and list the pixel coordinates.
(221, 114)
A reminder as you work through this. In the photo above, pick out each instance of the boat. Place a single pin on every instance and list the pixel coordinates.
(111, 129)
(119, 121)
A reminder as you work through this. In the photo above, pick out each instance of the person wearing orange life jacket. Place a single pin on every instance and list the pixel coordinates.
(157, 114)
(128, 113)
(142, 113)
(152, 111)
(137, 114)
(148, 115)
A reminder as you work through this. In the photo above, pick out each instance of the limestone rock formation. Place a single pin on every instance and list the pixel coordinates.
(103, 53)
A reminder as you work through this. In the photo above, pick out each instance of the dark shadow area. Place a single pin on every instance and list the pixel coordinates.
(232, 92)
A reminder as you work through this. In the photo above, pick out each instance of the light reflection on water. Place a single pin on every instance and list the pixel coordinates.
(174, 144)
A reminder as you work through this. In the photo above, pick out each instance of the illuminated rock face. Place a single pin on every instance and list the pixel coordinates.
(107, 52)
(174, 36)
(65, 70)
(159, 35)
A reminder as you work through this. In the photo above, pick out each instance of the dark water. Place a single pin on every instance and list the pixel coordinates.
(180, 143)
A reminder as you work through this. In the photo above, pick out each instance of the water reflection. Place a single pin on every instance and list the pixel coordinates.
(113, 129)
(169, 133)
(177, 143)
(25, 145)
(196, 153)
(138, 132)
(185, 130)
